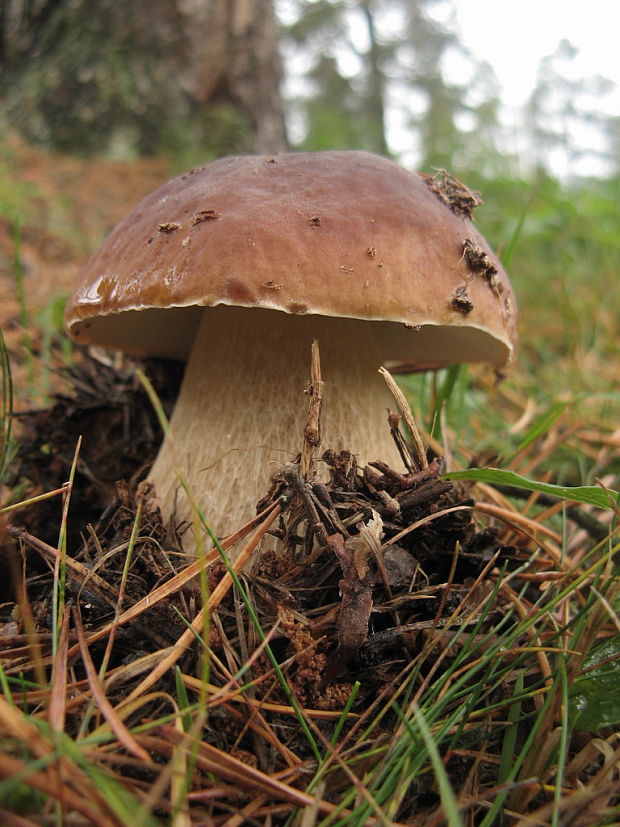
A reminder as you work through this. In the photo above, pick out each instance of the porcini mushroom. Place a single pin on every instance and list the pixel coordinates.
(238, 265)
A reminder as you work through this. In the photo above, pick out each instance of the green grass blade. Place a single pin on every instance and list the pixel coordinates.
(453, 373)
(510, 736)
(511, 247)
(5, 687)
(528, 745)
(539, 427)
(6, 410)
(448, 799)
(588, 494)
(24, 319)
(60, 569)
(182, 700)
(345, 712)
(563, 745)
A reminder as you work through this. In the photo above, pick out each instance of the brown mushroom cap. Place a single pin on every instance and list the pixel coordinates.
(344, 234)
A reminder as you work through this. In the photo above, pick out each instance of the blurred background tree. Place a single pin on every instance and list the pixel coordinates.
(383, 66)
(143, 76)
(392, 76)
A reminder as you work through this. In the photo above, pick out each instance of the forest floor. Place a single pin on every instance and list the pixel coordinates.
(437, 681)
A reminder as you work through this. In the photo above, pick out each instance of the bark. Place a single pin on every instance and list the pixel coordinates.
(84, 69)
(232, 54)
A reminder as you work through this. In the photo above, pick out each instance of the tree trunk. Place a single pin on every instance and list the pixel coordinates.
(232, 55)
(89, 74)
(376, 85)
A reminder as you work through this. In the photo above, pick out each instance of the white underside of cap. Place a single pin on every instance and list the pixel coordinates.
(169, 333)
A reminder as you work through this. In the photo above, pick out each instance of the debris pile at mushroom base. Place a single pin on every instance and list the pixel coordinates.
(361, 563)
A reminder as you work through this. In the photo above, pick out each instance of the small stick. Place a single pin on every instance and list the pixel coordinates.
(312, 430)
(83, 575)
(293, 477)
(431, 472)
(394, 421)
(419, 452)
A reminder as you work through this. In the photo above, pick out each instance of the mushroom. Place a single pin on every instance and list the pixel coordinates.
(238, 265)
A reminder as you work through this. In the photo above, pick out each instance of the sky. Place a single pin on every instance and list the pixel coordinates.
(513, 35)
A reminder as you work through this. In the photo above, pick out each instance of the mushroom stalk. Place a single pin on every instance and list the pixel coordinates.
(241, 410)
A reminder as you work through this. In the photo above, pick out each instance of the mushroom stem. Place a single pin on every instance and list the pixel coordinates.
(241, 410)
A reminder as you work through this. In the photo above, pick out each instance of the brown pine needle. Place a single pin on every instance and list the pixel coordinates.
(104, 705)
(13, 820)
(176, 582)
(73, 788)
(47, 782)
(513, 516)
(212, 760)
(237, 696)
(58, 693)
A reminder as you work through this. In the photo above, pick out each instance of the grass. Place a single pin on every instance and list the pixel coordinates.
(504, 710)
